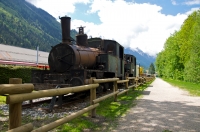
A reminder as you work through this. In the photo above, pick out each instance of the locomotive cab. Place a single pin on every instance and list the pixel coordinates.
(129, 65)
(111, 61)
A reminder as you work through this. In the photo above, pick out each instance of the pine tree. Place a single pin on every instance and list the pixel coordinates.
(151, 69)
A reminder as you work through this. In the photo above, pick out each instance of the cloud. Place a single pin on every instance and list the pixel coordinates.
(133, 25)
(192, 10)
(173, 2)
(57, 7)
(192, 2)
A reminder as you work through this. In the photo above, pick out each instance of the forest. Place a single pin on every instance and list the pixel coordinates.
(24, 25)
(180, 57)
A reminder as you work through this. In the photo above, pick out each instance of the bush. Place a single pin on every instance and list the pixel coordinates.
(23, 72)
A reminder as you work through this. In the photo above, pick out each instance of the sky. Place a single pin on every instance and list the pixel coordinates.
(137, 24)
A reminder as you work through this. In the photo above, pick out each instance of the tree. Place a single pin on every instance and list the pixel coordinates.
(192, 66)
(180, 56)
(151, 69)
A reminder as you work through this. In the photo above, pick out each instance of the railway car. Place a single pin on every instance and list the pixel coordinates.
(74, 64)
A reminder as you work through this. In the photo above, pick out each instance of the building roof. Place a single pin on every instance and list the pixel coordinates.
(16, 54)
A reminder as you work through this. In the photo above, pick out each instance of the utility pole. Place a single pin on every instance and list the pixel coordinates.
(37, 54)
(139, 69)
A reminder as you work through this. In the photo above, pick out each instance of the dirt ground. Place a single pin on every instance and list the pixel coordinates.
(163, 108)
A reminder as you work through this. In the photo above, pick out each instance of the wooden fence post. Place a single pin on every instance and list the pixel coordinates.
(126, 87)
(114, 90)
(15, 110)
(93, 97)
(136, 81)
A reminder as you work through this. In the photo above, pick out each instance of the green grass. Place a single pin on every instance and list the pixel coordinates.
(193, 88)
(108, 114)
(77, 125)
(2, 100)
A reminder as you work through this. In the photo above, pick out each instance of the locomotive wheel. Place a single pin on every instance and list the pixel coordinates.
(76, 81)
(108, 86)
(36, 80)
(99, 89)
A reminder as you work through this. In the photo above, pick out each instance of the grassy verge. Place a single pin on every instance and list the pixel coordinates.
(2, 100)
(193, 88)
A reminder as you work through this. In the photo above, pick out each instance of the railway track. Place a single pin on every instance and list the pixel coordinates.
(47, 105)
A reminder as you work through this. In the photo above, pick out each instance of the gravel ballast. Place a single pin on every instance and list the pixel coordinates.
(163, 108)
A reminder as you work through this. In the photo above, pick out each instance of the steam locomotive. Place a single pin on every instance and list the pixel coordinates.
(74, 64)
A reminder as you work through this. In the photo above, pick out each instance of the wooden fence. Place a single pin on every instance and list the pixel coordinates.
(17, 93)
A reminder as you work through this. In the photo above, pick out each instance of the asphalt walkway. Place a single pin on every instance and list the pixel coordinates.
(163, 108)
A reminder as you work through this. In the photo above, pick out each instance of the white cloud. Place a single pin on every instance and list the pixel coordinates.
(173, 2)
(192, 2)
(192, 10)
(57, 7)
(131, 24)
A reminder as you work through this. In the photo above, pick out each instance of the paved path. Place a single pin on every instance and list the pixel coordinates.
(163, 107)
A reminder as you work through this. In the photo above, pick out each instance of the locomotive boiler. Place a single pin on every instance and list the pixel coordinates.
(74, 64)
(65, 56)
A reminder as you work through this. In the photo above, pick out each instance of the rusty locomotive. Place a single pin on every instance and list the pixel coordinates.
(74, 64)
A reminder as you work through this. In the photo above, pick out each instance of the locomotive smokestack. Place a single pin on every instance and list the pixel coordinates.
(81, 30)
(65, 26)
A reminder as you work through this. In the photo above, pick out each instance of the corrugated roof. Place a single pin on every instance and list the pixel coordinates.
(13, 53)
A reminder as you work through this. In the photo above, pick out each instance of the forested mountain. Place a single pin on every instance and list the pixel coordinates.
(24, 25)
(180, 58)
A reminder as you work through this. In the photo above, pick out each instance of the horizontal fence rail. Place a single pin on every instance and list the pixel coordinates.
(25, 128)
(104, 97)
(15, 88)
(105, 80)
(123, 92)
(122, 81)
(11, 99)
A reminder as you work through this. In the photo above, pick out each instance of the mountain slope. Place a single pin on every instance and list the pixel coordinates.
(24, 25)
(142, 58)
